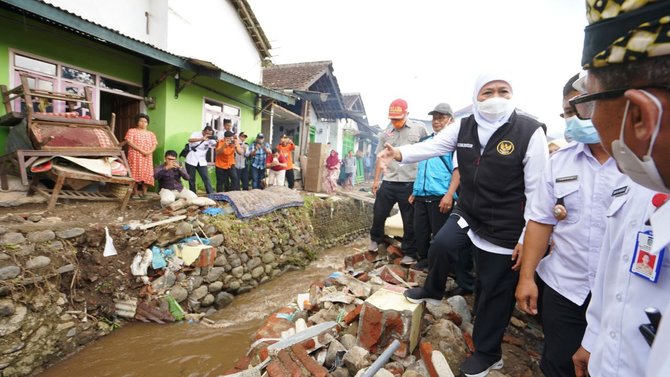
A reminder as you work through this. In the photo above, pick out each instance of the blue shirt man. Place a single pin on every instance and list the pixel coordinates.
(258, 154)
(433, 193)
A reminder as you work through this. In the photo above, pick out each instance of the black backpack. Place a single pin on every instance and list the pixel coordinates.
(187, 149)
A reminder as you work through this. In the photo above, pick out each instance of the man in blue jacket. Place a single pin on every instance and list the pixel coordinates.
(433, 193)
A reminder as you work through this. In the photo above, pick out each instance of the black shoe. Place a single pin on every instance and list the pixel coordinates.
(473, 367)
(421, 265)
(419, 295)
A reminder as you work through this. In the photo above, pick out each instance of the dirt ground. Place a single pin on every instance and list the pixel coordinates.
(92, 285)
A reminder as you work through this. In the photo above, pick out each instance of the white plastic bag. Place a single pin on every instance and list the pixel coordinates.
(110, 250)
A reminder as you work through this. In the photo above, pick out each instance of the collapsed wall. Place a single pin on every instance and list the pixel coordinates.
(58, 292)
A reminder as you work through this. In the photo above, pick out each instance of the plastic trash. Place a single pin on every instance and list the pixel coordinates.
(141, 262)
(158, 259)
(174, 308)
(110, 250)
(212, 211)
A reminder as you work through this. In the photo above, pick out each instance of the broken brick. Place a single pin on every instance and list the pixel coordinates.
(274, 325)
(389, 270)
(353, 315)
(395, 251)
(310, 364)
(291, 367)
(385, 316)
(426, 351)
(455, 318)
(469, 342)
(275, 369)
(369, 327)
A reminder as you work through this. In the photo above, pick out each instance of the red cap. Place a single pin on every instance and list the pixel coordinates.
(398, 109)
(659, 199)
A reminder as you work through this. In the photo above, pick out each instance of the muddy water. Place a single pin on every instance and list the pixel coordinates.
(184, 349)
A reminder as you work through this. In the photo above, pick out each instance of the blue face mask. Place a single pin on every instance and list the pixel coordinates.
(581, 131)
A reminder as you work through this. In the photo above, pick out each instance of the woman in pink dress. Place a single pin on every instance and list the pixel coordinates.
(142, 143)
(332, 172)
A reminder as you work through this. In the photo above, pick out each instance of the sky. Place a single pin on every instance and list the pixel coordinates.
(431, 51)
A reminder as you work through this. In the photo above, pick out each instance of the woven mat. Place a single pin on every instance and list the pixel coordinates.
(248, 204)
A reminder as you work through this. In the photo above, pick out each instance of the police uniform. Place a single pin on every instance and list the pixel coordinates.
(575, 179)
(659, 362)
(620, 296)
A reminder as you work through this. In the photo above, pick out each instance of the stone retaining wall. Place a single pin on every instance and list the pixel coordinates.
(57, 292)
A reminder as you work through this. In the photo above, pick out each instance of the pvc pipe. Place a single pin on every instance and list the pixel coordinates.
(382, 359)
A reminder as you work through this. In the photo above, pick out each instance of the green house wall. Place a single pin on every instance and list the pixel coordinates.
(172, 119)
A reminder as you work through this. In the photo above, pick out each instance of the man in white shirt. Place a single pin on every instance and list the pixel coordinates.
(627, 97)
(568, 207)
(494, 139)
(199, 143)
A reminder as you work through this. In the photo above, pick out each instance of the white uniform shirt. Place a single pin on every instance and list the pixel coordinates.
(445, 142)
(586, 186)
(619, 297)
(197, 157)
(659, 360)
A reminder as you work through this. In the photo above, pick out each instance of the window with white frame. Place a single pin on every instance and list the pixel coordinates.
(45, 74)
(215, 113)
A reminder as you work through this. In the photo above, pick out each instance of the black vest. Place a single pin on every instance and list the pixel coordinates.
(492, 197)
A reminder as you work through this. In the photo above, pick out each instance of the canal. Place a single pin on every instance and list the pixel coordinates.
(187, 350)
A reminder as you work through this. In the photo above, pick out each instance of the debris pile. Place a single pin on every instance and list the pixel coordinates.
(357, 323)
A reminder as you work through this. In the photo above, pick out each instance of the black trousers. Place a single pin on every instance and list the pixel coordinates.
(428, 220)
(243, 174)
(451, 250)
(388, 194)
(564, 326)
(202, 170)
(494, 290)
(290, 178)
(226, 179)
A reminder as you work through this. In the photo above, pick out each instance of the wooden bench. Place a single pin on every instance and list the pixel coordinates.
(61, 174)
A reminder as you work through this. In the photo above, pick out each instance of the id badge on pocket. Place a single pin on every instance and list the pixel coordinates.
(644, 263)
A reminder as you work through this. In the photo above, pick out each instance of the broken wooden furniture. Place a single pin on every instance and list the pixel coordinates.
(54, 134)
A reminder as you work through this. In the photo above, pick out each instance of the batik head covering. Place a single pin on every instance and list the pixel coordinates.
(622, 31)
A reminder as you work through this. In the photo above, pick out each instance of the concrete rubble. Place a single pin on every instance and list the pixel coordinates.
(365, 301)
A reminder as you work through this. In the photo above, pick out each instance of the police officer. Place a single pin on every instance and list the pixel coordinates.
(626, 96)
(568, 208)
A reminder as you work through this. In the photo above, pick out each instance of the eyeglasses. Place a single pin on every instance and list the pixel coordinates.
(584, 104)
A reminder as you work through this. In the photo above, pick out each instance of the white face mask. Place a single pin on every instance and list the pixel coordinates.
(494, 108)
(643, 172)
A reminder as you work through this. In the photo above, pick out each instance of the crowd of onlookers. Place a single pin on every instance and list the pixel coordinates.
(238, 164)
